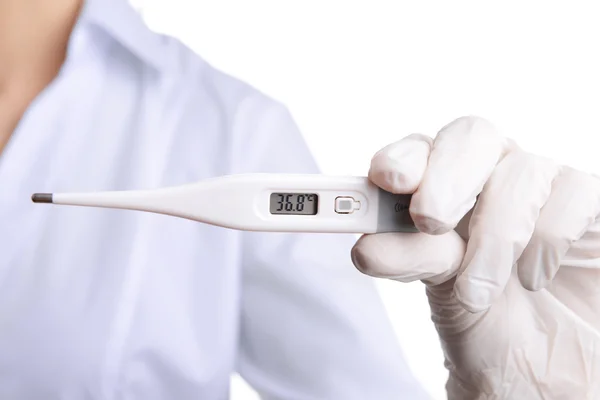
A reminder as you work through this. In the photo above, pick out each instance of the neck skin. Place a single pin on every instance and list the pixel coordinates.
(34, 35)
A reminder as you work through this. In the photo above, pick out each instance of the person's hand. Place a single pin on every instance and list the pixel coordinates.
(509, 250)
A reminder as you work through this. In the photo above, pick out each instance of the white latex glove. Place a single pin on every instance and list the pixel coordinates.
(514, 282)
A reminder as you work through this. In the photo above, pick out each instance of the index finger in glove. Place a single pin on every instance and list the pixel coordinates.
(464, 155)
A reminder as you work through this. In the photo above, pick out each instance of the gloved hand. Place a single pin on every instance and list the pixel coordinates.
(509, 250)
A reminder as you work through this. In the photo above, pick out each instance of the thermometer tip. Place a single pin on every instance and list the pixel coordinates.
(42, 198)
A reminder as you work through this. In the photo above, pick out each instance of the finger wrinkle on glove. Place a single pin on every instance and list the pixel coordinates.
(539, 262)
(453, 322)
(395, 177)
(431, 225)
(588, 246)
(485, 270)
(473, 302)
(398, 168)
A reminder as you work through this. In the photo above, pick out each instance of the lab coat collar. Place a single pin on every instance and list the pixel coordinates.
(121, 22)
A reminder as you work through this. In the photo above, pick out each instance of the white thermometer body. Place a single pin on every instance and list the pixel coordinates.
(265, 202)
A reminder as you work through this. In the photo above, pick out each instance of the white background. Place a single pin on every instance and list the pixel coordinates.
(358, 75)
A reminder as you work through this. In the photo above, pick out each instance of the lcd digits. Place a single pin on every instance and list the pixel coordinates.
(294, 203)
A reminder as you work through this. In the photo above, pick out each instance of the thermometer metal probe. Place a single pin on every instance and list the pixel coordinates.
(265, 202)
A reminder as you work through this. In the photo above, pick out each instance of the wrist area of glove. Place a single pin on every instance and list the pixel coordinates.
(561, 363)
(519, 349)
(498, 385)
(516, 384)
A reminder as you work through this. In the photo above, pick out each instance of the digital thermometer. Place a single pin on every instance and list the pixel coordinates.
(265, 202)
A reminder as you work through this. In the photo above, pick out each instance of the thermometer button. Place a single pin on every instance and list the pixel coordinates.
(346, 205)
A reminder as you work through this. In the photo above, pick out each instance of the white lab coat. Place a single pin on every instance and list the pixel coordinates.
(114, 304)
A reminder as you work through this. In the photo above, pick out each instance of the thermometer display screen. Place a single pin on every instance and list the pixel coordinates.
(294, 203)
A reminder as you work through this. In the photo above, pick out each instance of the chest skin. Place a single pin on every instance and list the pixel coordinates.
(13, 104)
(8, 122)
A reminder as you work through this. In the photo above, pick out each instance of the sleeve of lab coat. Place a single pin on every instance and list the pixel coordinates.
(312, 327)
